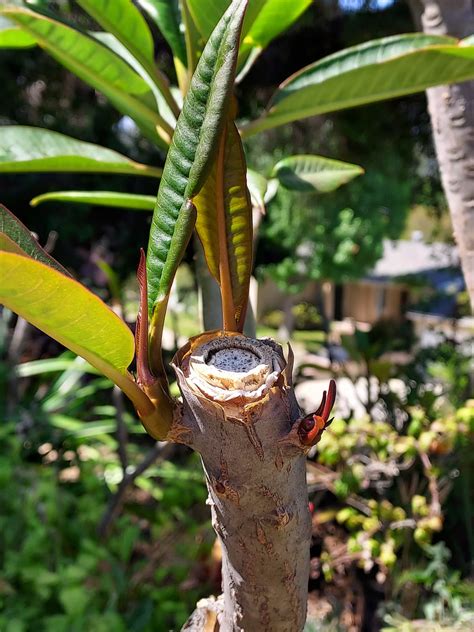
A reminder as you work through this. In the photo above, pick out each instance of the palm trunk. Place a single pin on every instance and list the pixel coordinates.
(239, 409)
(452, 115)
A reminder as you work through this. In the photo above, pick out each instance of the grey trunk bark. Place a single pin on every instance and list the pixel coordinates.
(452, 115)
(285, 331)
(239, 410)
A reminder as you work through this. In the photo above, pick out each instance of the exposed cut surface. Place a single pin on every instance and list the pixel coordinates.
(233, 359)
(230, 367)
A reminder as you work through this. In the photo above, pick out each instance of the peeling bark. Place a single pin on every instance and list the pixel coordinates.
(452, 115)
(239, 411)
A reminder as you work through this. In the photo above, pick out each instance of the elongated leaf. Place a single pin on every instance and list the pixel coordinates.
(124, 20)
(132, 201)
(80, 53)
(224, 226)
(164, 111)
(93, 63)
(194, 143)
(72, 315)
(53, 365)
(314, 173)
(374, 71)
(272, 18)
(167, 16)
(33, 149)
(14, 230)
(11, 36)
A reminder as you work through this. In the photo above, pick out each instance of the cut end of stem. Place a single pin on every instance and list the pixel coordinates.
(228, 367)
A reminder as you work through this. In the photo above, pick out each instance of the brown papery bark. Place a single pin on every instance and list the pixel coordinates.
(239, 409)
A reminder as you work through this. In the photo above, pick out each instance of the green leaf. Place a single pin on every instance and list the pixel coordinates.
(124, 20)
(273, 17)
(224, 226)
(14, 230)
(68, 312)
(206, 14)
(132, 201)
(93, 63)
(166, 114)
(374, 71)
(314, 173)
(53, 365)
(191, 152)
(33, 149)
(11, 36)
(257, 186)
(78, 428)
(264, 20)
(167, 16)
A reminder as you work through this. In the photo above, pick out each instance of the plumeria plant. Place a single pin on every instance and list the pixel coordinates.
(238, 408)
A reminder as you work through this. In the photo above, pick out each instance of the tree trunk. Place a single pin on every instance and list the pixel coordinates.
(285, 331)
(240, 414)
(452, 115)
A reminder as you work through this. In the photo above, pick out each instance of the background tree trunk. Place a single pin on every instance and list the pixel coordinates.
(452, 116)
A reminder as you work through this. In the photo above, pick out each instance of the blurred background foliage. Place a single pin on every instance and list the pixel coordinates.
(102, 529)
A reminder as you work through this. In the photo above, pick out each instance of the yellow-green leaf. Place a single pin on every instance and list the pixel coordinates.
(224, 226)
(11, 36)
(134, 201)
(68, 312)
(15, 237)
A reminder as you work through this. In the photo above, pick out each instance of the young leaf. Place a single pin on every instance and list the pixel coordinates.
(72, 315)
(314, 173)
(32, 149)
(132, 201)
(224, 226)
(93, 63)
(11, 229)
(194, 142)
(374, 71)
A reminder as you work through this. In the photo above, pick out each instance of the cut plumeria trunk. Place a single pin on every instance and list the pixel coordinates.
(240, 414)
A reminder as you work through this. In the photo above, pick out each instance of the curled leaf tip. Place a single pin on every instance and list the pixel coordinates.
(311, 427)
